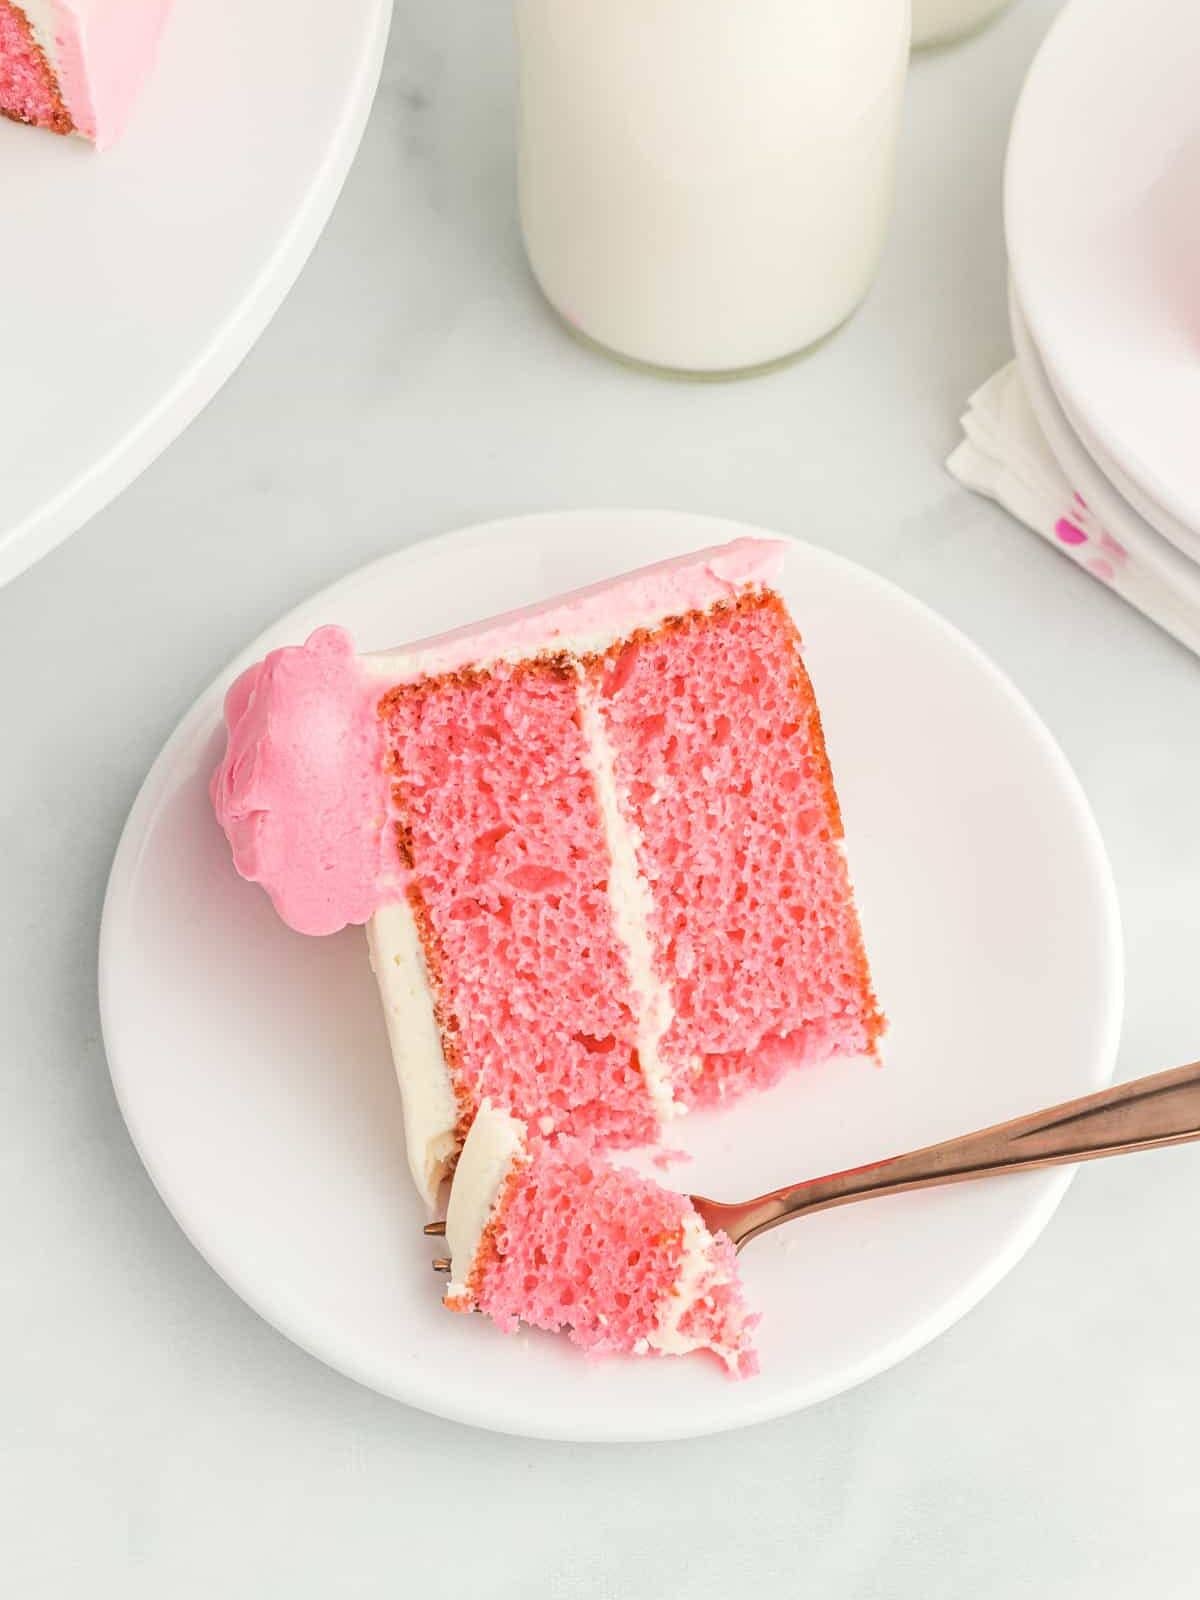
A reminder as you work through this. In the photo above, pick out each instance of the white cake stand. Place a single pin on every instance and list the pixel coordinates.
(132, 283)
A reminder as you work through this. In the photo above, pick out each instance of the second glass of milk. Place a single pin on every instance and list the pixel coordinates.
(705, 184)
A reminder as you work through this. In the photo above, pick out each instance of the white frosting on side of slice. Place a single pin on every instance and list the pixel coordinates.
(494, 1145)
(632, 905)
(430, 1109)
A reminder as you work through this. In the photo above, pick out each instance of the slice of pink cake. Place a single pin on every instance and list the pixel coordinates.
(76, 66)
(546, 1233)
(596, 844)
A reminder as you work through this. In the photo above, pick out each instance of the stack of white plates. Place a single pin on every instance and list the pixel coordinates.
(1102, 211)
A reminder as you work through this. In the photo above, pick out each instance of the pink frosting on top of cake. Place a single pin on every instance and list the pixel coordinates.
(105, 51)
(301, 791)
(595, 616)
(28, 91)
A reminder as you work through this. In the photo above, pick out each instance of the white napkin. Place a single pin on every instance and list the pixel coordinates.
(1005, 455)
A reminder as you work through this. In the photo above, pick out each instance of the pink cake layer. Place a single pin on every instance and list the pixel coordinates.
(502, 834)
(578, 1246)
(721, 760)
(29, 90)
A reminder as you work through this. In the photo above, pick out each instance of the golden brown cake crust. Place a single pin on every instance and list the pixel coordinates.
(60, 118)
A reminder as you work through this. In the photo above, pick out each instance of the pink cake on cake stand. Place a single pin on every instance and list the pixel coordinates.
(77, 66)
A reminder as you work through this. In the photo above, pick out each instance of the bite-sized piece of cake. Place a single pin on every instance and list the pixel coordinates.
(596, 844)
(545, 1232)
(76, 66)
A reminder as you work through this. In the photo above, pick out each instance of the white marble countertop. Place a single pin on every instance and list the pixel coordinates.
(158, 1439)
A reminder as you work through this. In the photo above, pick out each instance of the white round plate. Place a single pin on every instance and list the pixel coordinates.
(252, 1068)
(1102, 213)
(1152, 552)
(136, 279)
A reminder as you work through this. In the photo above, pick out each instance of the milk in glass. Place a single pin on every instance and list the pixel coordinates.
(705, 185)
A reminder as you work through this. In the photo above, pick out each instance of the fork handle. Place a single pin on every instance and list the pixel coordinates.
(1140, 1115)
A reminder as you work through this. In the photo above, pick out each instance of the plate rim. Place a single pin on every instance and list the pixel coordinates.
(494, 1414)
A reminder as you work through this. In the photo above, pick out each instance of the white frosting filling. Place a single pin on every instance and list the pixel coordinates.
(632, 905)
(40, 16)
(430, 1109)
(494, 1145)
(694, 1279)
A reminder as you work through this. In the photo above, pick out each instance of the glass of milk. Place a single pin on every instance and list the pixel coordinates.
(939, 21)
(705, 184)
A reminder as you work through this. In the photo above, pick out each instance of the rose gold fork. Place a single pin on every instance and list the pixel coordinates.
(1141, 1115)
